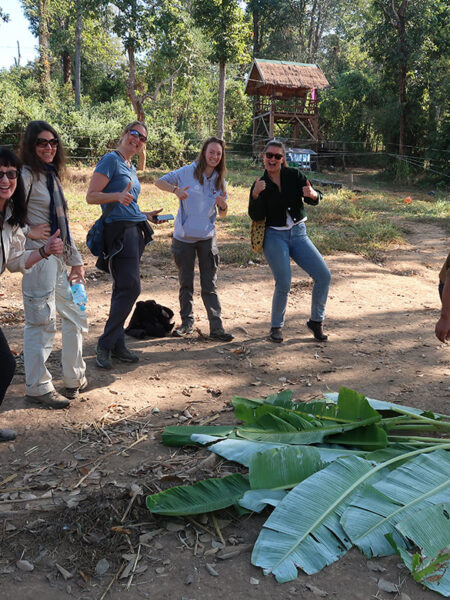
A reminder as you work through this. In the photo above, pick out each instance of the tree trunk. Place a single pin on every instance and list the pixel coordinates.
(256, 33)
(44, 57)
(78, 44)
(135, 101)
(67, 68)
(221, 108)
(402, 75)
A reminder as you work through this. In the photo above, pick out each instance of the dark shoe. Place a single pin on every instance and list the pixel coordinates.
(103, 359)
(182, 330)
(50, 400)
(7, 435)
(72, 393)
(317, 329)
(220, 334)
(276, 335)
(124, 355)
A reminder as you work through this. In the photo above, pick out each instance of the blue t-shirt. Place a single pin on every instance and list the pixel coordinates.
(197, 213)
(120, 174)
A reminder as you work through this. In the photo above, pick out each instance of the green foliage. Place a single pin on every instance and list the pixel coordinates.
(226, 27)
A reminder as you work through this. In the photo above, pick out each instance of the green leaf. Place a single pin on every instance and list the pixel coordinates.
(244, 408)
(180, 435)
(283, 467)
(304, 530)
(371, 437)
(351, 406)
(281, 399)
(421, 481)
(201, 497)
(257, 500)
(241, 451)
(429, 530)
(311, 436)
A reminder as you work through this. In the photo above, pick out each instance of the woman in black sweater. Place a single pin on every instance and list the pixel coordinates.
(278, 198)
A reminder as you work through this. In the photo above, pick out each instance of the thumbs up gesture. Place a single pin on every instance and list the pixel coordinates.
(125, 197)
(54, 244)
(309, 192)
(182, 192)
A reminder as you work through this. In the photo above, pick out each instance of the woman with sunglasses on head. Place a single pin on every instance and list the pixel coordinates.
(46, 290)
(115, 186)
(13, 255)
(202, 193)
(278, 198)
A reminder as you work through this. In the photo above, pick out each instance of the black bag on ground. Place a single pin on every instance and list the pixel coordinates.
(150, 319)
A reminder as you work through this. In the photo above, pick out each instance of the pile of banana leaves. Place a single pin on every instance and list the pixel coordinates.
(341, 472)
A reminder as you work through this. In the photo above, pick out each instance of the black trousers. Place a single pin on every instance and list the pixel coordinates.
(124, 268)
(8, 366)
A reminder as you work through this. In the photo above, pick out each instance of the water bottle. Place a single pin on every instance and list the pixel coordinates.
(79, 295)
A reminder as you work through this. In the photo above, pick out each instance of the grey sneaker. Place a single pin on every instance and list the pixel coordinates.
(182, 330)
(7, 435)
(72, 393)
(50, 400)
(103, 359)
(124, 355)
(220, 334)
(276, 335)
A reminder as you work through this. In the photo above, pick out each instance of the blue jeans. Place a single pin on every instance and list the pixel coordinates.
(279, 247)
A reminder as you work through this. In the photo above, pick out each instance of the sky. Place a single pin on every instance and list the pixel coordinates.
(15, 29)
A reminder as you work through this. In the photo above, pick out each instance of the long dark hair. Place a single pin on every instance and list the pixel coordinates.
(279, 145)
(17, 200)
(28, 148)
(221, 168)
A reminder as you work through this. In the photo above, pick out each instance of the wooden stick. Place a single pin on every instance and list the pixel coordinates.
(217, 528)
(133, 570)
(130, 504)
(113, 580)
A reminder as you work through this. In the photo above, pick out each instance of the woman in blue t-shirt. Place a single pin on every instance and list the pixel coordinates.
(202, 192)
(115, 186)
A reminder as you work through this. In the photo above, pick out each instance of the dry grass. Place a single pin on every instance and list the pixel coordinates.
(344, 221)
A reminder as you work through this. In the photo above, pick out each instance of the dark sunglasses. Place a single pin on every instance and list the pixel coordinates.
(11, 174)
(275, 156)
(42, 142)
(135, 133)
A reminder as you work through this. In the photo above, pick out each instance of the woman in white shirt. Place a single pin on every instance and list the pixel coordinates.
(13, 255)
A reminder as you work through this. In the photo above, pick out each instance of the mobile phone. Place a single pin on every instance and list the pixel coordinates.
(164, 218)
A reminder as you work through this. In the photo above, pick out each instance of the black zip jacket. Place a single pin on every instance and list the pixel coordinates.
(271, 204)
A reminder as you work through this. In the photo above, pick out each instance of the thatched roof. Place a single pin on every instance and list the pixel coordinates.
(283, 78)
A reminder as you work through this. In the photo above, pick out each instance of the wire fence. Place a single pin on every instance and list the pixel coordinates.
(331, 153)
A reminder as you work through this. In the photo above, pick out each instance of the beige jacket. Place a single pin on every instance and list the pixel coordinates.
(13, 255)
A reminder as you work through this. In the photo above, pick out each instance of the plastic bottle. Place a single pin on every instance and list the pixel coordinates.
(79, 295)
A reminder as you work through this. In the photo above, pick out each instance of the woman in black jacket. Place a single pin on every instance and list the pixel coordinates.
(278, 198)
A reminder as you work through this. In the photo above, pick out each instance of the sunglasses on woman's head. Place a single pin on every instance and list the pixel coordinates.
(275, 156)
(135, 133)
(10, 174)
(43, 142)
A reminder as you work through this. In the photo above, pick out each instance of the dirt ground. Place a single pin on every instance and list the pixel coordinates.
(73, 484)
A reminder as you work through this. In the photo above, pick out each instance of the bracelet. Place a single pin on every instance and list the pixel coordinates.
(175, 187)
(43, 253)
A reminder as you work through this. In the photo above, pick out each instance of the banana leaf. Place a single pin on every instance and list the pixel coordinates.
(312, 436)
(304, 529)
(203, 496)
(257, 500)
(420, 482)
(283, 468)
(367, 438)
(241, 451)
(429, 530)
(180, 435)
(350, 406)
